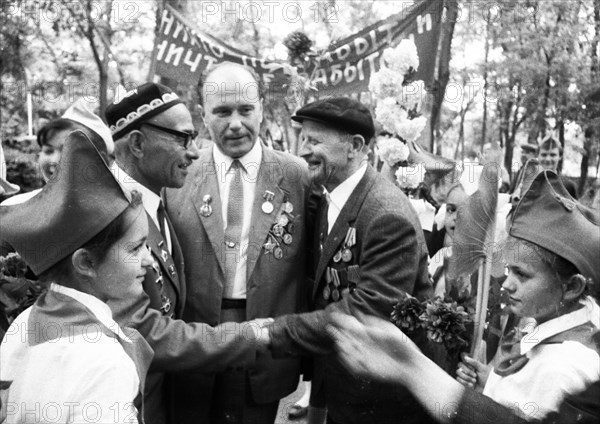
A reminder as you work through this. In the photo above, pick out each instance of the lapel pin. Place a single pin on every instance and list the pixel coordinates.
(288, 239)
(267, 207)
(206, 208)
(172, 270)
(164, 255)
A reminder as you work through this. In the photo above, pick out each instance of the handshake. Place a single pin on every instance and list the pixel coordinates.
(260, 328)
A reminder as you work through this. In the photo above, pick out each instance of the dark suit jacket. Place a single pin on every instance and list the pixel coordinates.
(163, 280)
(274, 286)
(391, 254)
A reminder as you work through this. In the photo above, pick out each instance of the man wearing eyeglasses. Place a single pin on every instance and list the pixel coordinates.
(154, 146)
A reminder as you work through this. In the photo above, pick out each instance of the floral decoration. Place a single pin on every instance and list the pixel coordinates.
(444, 321)
(17, 292)
(410, 177)
(399, 100)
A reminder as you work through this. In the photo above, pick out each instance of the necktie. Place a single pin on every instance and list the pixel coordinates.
(161, 215)
(323, 222)
(233, 232)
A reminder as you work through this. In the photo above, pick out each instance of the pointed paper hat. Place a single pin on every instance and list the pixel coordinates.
(549, 217)
(79, 112)
(6, 188)
(69, 211)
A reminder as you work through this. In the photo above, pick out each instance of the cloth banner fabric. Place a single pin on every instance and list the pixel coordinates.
(182, 53)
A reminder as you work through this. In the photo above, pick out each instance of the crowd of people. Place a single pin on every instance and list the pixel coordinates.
(190, 285)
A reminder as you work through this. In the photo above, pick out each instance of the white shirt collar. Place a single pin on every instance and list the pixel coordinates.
(590, 312)
(250, 161)
(98, 308)
(340, 195)
(150, 200)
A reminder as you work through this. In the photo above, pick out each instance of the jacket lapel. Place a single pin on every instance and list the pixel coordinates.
(269, 178)
(157, 246)
(206, 177)
(346, 217)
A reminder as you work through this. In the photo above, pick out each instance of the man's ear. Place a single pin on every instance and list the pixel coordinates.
(83, 263)
(358, 144)
(135, 142)
(574, 288)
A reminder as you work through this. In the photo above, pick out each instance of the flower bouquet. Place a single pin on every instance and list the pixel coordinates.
(398, 107)
(17, 291)
(443, 321)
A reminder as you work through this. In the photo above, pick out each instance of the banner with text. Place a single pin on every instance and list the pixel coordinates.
(183, 53)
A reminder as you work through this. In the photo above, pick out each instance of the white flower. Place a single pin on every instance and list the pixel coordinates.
(388, 113)
(403, 57)
(409, 177)
(411, 95)
(386, 83)
(392, 150)
(411, 129)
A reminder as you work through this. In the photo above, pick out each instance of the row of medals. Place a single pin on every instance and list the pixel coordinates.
(332, 277)
(281, 232)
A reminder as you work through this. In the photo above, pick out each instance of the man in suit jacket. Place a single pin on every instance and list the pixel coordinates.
(154, 146)
(370, 250)
(240, 221)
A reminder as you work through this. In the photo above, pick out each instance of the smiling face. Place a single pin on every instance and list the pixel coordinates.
(165, 160)
(533, 287)
(232, 109)
(120, 274)
(549, 158)
(327, 152)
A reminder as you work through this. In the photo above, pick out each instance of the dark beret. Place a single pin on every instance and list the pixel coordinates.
(138, 105)
(532, 148)
(342, 113)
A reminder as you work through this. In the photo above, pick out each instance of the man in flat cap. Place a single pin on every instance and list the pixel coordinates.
(240, 221)
(154, 147)
(369, 251)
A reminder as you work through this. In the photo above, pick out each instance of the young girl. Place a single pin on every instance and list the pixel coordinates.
(551, 259)
(65, 359)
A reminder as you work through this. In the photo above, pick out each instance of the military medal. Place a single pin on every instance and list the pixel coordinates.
(287, 238)
(351, 239)
(283, 220)
(269, 246)
(346, 255)
(267, 206)
(337, 257)
(326, 293)
(335, 295)
(335, 277)
(288, 207)
(166, 304)
(278, 230)
(206, 209)
(278, 253)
